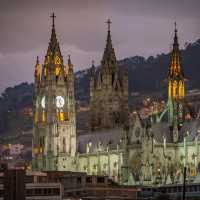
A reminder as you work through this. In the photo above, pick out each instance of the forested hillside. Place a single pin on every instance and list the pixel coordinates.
(145, 75)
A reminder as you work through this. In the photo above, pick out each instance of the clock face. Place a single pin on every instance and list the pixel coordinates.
(60, 101)
(43, 102)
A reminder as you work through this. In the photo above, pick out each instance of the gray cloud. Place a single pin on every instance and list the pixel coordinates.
(143, 27)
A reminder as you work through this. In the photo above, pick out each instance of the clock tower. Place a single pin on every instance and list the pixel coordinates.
(54, 132)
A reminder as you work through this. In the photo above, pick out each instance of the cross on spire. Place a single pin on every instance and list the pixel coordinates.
(53, 18)
(69, 60)
(92, 62)
(109, 23)
(175, 26)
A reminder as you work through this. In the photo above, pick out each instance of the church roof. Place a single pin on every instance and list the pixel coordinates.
(191, 127)
(162, 129)
(100, 139)
(159, 130)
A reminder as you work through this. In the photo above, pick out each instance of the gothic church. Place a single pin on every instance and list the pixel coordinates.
(120, 145)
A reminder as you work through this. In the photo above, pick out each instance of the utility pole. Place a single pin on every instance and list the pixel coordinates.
(184, 181)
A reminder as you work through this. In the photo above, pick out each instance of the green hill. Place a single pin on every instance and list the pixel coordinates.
(145, 75)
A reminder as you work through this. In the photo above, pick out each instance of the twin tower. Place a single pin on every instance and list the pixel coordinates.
(54, 135)
(54, 131)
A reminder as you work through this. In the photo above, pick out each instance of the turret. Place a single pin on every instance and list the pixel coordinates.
(176, 89)
(37, 73)
(92, 79)
(176, 84)
(54, 140)
(70, 65)
(109, 58)
(108, 90)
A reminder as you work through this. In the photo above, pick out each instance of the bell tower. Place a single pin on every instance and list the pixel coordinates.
(108, 90)
(54, 134)
(176, 88)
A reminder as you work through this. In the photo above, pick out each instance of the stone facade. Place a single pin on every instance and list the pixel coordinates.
(108, 91)
(54, 136)
(123, 146)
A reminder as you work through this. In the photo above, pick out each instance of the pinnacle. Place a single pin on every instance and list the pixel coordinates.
(53, 44)
(109, 53)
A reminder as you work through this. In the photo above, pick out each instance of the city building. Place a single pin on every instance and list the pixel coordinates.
(18, 184)
(16, 149)
(124, 147)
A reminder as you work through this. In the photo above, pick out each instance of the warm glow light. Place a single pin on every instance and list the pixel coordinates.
(36, 117)
(57, 71)
(57, 60)
(45, 71)
(43, 116)
(41, 149)
(37, 72)
(62, 116)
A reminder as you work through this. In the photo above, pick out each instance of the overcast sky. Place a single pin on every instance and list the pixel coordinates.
(139, 27)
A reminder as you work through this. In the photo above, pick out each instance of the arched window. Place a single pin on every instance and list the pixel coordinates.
(181, 89)
(36, 117)
(57, 72)
(45, 71)
(43, 116)
(170, 89)
(64, 145)
(175, 89)
(60, 115)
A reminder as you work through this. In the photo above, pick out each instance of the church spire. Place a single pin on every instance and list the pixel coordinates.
(53, 44)
(53, 20)
(69, 60)
(176, 85)
(92, 70)
(175, 69)
(175, 45)
(70, 65)
(176, 74)
(109, 52)
(37, 71)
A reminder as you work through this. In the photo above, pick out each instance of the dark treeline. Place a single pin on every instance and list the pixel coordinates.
(145, 75)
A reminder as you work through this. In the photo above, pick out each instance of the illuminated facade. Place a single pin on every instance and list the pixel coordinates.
(147, 152)
(176, 89)
(54, 137)
(128, 149)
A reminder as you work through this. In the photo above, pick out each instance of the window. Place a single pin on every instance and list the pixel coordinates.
(49, 191)
(64, 145)
(57, 71)
(56, 191)
(36, 117)
(89, 179)
(79, 180)
(43, 116)
(45, 71)
(100, 180)
(60, 115)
